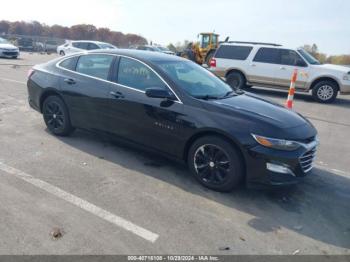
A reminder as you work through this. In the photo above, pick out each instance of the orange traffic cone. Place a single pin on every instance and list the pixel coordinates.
(289, 102)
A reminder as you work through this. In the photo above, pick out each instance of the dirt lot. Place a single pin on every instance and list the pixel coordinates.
(107, 198)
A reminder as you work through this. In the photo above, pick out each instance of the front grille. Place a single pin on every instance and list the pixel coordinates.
(10, 53)
(306, 160)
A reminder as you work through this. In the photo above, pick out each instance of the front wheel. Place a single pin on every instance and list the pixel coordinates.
(325, 91)
(236, 80)
(215, 163)
(62, 53)
(209, 57)
(56, 116)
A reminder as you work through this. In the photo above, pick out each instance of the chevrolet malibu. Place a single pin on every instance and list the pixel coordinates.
(172, 106)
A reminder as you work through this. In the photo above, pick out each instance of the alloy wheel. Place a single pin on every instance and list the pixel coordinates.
(212, 164)
(325, 92)
(54, 116)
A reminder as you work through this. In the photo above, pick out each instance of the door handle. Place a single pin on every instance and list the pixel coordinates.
(282, 68)
(116, 94)
(253, 65)
(69, 81)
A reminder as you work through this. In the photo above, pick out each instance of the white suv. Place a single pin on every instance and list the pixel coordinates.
(79, 46)
(245, 64)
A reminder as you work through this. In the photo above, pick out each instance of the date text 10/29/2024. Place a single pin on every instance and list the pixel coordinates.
(173, 258)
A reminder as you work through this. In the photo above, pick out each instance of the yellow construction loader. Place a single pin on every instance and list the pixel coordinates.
(202, 51)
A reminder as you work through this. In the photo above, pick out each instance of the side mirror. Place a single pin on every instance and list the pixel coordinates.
(156, 92)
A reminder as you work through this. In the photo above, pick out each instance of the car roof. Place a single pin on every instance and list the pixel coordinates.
(89, 41)
(140, 54)
(258, 45)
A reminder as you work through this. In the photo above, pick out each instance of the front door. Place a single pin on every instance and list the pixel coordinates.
(289, 61)
(153, 122)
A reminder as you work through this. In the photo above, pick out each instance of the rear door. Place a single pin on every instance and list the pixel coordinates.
(290, 60)
(86, 90)
(264, 66)
(232, 57)
(74, 47)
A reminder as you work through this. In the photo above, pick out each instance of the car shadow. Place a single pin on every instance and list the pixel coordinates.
(306, 97)
(317, 208)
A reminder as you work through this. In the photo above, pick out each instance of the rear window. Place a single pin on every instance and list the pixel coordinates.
(95, 65)
(81, 45)
(69, 63)
(268, 55)
(233, 52)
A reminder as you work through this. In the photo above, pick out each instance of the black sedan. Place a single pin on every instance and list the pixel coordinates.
(175, 107)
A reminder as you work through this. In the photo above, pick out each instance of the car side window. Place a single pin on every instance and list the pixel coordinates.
(233, 52)
(82, 45)
(134, 74)
(268, 55)
(75, 44)
(95, 65)
(290, 57)
(69, 63)
(92, 46)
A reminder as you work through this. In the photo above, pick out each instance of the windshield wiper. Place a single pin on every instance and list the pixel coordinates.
(207, 97)
(229, 94)
(232, 93)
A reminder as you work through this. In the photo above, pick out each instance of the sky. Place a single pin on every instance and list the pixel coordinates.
(292, 23)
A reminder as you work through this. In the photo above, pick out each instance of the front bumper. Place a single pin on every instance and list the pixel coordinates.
(9, 53)
(270, 167)
(345, 89)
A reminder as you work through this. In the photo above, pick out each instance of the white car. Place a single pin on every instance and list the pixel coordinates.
(79, 46)
(245, 64)
(7, 49)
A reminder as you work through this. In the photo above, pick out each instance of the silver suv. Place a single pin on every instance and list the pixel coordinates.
(245, 64)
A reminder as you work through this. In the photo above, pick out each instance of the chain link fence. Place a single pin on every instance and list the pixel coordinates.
(43, 44)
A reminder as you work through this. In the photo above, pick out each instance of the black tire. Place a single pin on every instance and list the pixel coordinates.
(236, 80)
(62, 53)
(209, 57)
(56, 116)
(325, 91)
(211, 160)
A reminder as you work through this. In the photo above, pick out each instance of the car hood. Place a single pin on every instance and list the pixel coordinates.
(8, 46)
(257, 109)
(342, 69)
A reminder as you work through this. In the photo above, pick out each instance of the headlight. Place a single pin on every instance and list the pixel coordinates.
(279, 144)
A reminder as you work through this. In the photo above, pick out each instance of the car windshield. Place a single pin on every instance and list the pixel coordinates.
(162, 48)
(195, 80)
(106, 46)
(309, 58)
(155, 48)
(3, 41)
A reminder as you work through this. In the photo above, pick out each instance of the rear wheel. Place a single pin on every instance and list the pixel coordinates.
(56, 116)
(325, 91)
(215, 163)
(62, 53)
(236, 80)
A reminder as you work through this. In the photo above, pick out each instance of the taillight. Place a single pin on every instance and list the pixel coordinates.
(30, 72)
(212, 62)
